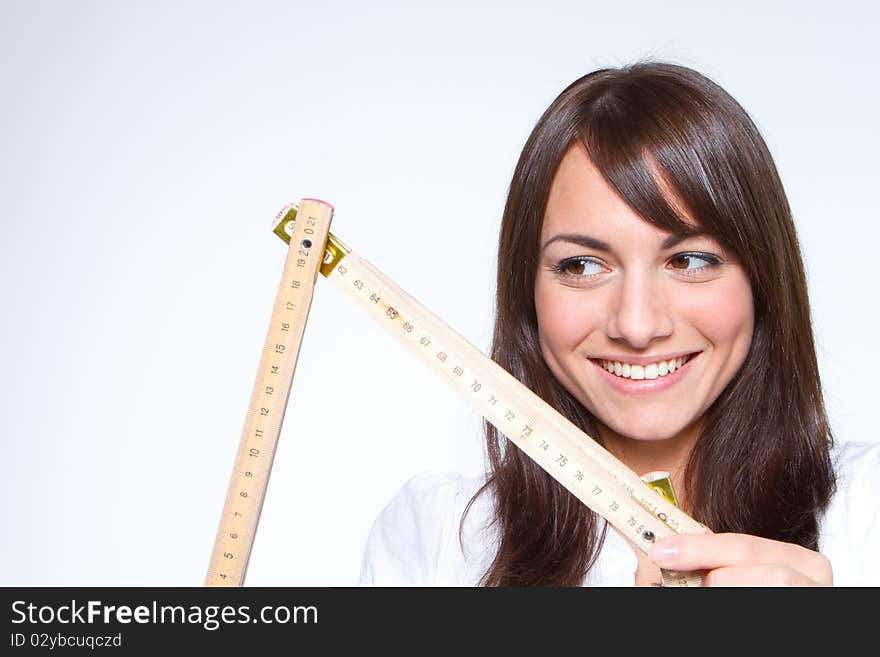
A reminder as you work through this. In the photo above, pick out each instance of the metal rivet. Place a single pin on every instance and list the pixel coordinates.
(648, 536)
(307, 244)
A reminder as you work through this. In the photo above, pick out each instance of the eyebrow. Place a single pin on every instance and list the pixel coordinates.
(593, 243)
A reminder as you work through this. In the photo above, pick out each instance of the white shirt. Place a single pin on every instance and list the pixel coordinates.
(415, 539)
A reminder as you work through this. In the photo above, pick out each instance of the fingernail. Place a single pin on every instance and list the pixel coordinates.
(665, 549)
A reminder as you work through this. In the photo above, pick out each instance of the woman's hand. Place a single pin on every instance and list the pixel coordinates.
(742, 560)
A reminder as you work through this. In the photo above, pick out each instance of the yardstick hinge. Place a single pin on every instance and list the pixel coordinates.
(283, 228)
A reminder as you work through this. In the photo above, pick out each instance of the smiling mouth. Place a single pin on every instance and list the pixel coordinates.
(656, 370)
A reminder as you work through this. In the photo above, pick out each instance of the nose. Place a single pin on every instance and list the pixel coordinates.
(640, 311)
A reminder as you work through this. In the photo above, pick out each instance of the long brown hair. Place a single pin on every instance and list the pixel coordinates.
(761, 465)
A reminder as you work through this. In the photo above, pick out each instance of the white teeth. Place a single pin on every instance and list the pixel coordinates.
(639, 372)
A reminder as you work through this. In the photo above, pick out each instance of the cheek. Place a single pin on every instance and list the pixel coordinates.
(557, 314)
(564, 322)
(727, 318)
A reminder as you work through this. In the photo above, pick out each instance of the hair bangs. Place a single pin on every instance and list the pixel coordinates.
(645, 151)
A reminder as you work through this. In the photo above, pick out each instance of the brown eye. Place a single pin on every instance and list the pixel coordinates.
(701, 262)
(573, 267)
(681, 261)
(578, 268)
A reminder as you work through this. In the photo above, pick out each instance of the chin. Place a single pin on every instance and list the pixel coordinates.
(648, 430)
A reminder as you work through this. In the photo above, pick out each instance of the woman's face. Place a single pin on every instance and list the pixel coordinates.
(614, 292)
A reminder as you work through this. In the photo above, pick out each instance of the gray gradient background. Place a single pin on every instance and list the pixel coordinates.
(145, 149)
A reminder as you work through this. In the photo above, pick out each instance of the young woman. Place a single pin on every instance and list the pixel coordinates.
(651, 288)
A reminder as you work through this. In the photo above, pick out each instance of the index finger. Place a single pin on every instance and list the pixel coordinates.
(710, 551)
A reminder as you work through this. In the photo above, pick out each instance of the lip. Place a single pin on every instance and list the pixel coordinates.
(644, 360)
(645, 386)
